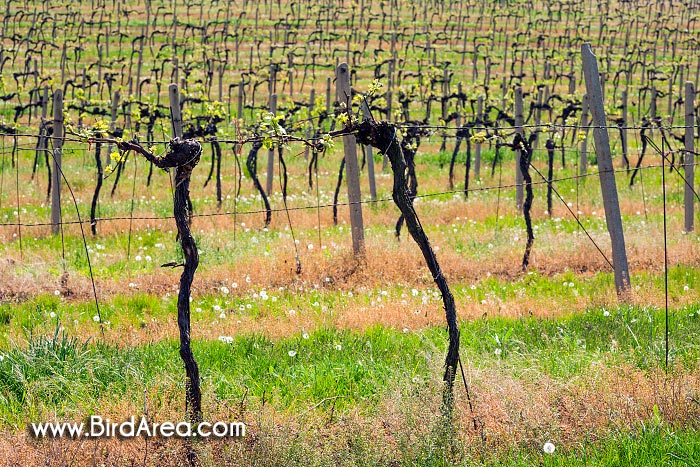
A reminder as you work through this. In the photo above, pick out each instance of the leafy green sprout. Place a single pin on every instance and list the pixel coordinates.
(271, 129)
(327, 142)
(480, 137)
(374, 88)
(215, 110)
(117, 157)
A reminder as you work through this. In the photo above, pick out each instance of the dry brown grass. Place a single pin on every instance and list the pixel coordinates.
(387, 261)
(510, 411)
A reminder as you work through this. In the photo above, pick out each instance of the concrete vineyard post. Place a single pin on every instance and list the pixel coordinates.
(175, 75)
(113, 123)
(519, 129)
(624, 128)
(370, 158)
(139, 65)
(57, 156)
(605, 170)
(389, 95)
(538, 117)
(477, 146)
(689, 157)
(241, 101)
(44, 113)
(310, 125)
(669, 108)
(175, 113)
(222, 69)
(352, 169)
(583, 156)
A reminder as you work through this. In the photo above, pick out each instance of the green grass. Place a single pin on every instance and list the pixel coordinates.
(655, 445)
(55, 372)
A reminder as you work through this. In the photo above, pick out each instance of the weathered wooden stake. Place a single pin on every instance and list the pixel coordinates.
(175, 113)
(42, 143)
(583, 156)
(57, 156)
(369, 157)
(689, 157)
(538, 118)
(113, 123)
(625, 153)
(519, 130)
(241, 99)
(477, 146)
(605, 170)
(310, 125)
(329, 104)
(352, 169)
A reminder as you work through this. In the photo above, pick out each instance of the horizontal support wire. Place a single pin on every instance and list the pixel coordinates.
(329, 205)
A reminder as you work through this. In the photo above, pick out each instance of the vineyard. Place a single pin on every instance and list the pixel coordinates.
(431, 233)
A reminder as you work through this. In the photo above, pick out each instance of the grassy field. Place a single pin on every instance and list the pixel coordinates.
(342, 363)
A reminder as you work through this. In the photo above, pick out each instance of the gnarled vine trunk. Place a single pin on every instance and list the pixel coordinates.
(382, 136)
(183, 156)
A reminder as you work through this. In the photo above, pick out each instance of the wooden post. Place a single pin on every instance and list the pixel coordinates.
(670, 101)
(477, 146)
(572, 83)
(369, 157)
(310, 124)
(175, 117)
(44, 113)
(272, 84)
(606, 172)
(222, 69)
(689, 157)
(538, 118)
(271, 152)
(175, 113)
(389, 96)
(519, 129)
(57, 156)
(174, 31)
(352, 170)
(583, 156)
(113, 123)
(175, 76)
(138, 69)
(241, 99)
(625, 124)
